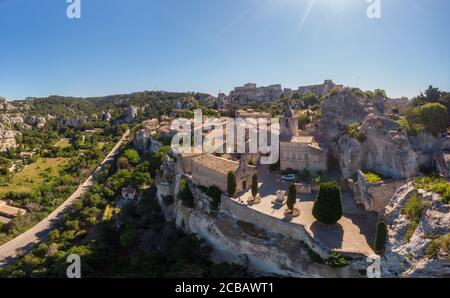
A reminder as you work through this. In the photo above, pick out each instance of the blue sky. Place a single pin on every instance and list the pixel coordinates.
(121, 46)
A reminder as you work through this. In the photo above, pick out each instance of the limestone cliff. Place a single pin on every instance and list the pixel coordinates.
(378, 143)
(236, 238)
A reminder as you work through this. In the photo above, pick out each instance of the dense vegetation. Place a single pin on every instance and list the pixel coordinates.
(133, 240)
(430, 112)
(46, 182)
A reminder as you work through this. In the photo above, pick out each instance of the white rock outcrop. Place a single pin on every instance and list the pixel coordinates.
(408, 259)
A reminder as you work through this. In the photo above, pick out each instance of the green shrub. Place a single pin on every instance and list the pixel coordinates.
(358, 92)
(439, 244)
(413, 210)
(132, 156)
(231, 183)
(380, 237)
(372, 177)
(412, 129)
(184, 194)
(435, 184)
(303, 120)
(354, 132)
(336, 260)
(328, 204)
(432, 117)
(215, 194)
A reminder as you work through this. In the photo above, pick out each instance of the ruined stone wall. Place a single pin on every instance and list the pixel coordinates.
(376, 196)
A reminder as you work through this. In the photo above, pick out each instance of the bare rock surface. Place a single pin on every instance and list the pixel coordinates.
(408, 258)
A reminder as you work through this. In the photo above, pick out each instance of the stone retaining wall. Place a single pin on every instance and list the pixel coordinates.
(272, 224)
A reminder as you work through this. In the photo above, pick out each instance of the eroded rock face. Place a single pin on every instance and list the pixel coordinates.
(4, 105)
(106, 116)
(35, 121)
(387, 149)
(142, 140)
(11, 119)
(408, 259)
(340, 110)
(74, 122)
(8, 139)
(350, 155)
(130, 114)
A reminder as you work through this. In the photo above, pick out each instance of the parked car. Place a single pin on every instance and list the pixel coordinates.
(288, 177)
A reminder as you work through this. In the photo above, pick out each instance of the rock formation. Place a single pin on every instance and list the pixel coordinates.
(408, 258)
(8, 139)
(380, 144)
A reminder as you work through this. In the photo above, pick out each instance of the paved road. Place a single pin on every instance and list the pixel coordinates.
(39, 233)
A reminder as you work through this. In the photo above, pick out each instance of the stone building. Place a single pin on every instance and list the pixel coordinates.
(319, 90)
(209, 170)
(301, 152)
(251, 93)
(250, 113)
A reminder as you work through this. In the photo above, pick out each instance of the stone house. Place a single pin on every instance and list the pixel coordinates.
(10, 211)
(209, 170)
(301, 152)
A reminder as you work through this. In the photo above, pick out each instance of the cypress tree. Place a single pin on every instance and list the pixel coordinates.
(231, 183)
(292, 197)
(328, 204)
(380, 237)
(254, 185)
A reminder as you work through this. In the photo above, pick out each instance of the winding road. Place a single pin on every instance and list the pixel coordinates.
(25, 242)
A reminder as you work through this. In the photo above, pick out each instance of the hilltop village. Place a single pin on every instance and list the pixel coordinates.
(359, 179)
(358, 141)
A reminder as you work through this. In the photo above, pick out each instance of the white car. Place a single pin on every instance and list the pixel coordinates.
(288, 177)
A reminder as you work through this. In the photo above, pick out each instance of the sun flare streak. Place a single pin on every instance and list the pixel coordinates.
(305, 16)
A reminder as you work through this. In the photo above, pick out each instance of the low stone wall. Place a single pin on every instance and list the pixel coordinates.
(272, 224)
(304, 188)
(376, 196)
